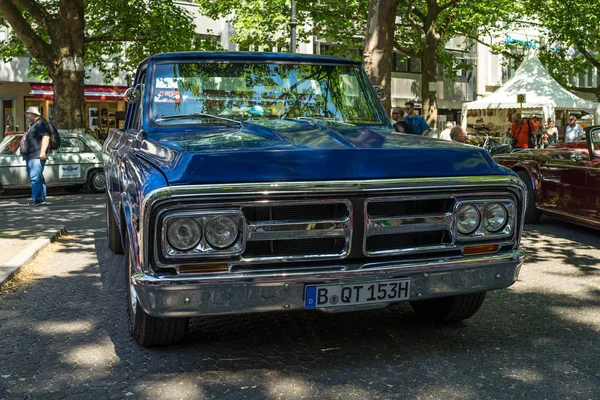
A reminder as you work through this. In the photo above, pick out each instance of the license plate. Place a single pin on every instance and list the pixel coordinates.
(360, 293)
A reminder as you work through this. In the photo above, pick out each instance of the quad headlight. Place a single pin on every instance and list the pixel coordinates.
(183, 233)
(495, 217)
(209, 233)
(221, 231)
(478, 219)
(468, 219)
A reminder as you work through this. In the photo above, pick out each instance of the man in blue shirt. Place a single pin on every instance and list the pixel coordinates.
(417, 124)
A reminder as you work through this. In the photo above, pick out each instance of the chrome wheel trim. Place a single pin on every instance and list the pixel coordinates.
(99, 181)
(132, 299)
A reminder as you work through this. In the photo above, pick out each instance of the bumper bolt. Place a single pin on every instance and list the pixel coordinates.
(286, 286)
(498, 276)
(419, 295)
(287, 306)
(186, 300)
(426, 275)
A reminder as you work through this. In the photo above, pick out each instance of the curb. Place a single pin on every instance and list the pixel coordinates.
(29, 253)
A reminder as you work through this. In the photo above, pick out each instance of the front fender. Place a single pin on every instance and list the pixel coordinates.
(139, 177)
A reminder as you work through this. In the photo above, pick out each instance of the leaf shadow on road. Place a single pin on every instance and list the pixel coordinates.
(67, 337)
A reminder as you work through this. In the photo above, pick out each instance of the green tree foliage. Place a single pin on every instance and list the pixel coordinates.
(265, 23)
(64, 36)
(572, 31)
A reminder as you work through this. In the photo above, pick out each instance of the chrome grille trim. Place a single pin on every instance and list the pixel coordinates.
(156, 196)
(413, 223)
(301, 229)
(287, 230)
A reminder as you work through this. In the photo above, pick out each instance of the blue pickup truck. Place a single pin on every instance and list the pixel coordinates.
(256, 182)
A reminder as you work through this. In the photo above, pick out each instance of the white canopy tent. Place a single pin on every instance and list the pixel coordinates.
(541, 92)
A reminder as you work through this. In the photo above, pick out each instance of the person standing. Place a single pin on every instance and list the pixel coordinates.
(417, 124)
(35, 144)
(445, 134)
(520, 131)
(552, 132)
(399, 124)
(457, 134)
(573, 131)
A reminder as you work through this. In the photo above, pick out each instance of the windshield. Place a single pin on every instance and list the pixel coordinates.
(190, 93)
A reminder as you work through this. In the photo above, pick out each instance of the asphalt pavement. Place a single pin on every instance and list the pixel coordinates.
(64, 336)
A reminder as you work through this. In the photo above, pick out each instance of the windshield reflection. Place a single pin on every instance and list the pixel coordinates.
(238, 91)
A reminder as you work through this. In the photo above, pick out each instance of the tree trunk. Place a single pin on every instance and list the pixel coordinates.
(379, 44)
(429, 64)
(68, 97)
(67, 71)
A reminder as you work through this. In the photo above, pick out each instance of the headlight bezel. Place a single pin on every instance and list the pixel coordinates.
(203, 249)
(481, 233)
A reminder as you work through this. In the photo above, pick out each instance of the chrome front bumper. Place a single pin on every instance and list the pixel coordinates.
(187, 296)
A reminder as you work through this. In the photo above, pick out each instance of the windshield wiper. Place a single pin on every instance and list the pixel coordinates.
(165, 118)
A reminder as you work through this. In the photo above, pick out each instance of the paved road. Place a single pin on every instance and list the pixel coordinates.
(64, 336)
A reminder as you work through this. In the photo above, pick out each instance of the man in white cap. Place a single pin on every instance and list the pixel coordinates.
(34, 146)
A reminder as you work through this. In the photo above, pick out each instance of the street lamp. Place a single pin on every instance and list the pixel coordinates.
(293, 24)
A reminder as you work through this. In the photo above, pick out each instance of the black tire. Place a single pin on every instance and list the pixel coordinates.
(449, 309)
(532, 214)
(96, 181)
(113, 233)
(146, 329)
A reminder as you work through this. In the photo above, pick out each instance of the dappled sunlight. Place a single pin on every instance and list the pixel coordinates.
(63, 327)
(173, 387)
(100, 355)
(589, 317)
(281, 387)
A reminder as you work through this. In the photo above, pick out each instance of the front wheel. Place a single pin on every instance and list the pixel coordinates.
(449, 309)
(532, 214)
(146, 329)
(96, 181)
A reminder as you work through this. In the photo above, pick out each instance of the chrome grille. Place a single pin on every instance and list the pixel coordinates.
(399, 225)
(298, 230)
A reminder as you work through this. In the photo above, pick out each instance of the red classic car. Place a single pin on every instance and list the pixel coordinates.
(562, 181)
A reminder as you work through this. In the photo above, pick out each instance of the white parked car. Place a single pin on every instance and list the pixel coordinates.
(76, 163)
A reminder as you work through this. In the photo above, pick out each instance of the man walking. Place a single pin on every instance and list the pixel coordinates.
(34, 146)
(399, 125)
(417, 124)
(573, 131)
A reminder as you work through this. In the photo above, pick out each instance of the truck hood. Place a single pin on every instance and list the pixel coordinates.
(301, 150)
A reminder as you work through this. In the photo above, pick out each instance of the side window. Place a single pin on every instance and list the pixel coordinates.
(70, 145)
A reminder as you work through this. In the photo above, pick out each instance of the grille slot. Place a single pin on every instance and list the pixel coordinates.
(407, 225)
(298, 231)
(299, 247)
(409, 207)
(408, 240)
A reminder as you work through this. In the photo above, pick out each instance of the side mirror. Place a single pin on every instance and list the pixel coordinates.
(381, 93)
(132, 95)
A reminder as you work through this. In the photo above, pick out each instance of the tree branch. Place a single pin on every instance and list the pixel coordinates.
(38, 47)
(505, 53)
(592, 60)
(38, 13)
(405, 50)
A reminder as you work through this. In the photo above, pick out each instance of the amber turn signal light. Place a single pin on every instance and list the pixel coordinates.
(484, 248)
(203, 268)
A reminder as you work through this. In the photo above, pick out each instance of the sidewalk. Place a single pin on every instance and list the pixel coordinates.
(24, 230)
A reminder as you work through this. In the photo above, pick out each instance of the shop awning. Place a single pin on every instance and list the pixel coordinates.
(92, 92)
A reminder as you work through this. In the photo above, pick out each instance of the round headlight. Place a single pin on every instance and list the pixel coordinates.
(467, 219)
(221, 232)
(494, 217)
(184, 233)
